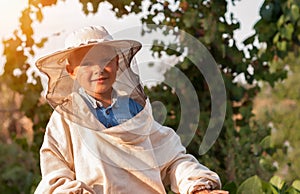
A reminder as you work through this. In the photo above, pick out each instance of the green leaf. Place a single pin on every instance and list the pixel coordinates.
(287, 31)
(282, 46)
(231, 187)
(281, 21)
(295, 12)
(276, 38)
(266, 142)
(252, 185)
(277, 182)
(292, 190)
(296, 184)
(268, 188)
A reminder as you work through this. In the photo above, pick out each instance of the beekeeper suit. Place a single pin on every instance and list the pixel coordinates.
(81, 154)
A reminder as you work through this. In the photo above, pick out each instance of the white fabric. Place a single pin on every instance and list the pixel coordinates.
(138, 156)
(87, 35)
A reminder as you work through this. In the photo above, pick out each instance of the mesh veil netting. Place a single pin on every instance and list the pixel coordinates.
(61, 86)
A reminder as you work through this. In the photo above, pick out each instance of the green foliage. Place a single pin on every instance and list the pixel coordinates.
(19, 161)
(121, 8)
(252, 185)
(255, 185)
(282, 34)
(19, 170)
(278, 107)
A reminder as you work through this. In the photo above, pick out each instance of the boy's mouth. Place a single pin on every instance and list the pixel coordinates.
(100, 79)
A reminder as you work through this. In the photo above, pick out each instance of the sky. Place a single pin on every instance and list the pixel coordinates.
(67, 16)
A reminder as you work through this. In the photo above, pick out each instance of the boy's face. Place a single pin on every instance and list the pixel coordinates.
(94, 69)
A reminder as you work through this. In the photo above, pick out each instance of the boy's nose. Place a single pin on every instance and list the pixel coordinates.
(99, 69)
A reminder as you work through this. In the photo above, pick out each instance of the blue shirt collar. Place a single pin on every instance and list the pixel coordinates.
(96, 103)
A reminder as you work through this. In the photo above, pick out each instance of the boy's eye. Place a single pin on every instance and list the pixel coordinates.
(106, 60)
(86, 64)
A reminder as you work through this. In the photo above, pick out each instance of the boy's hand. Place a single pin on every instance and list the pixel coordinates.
(211, 192)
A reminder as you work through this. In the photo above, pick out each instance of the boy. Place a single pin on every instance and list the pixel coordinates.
(101, 137)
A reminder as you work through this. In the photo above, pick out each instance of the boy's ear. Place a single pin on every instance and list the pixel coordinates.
(117, 58)
(71, 70)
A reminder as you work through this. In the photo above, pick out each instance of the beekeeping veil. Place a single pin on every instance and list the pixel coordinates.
(90, 39)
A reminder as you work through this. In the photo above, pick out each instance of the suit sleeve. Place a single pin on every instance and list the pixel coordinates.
(185, 174)
(56, 160)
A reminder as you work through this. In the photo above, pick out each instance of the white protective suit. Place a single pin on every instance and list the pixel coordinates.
(80, 155)
(127, 158)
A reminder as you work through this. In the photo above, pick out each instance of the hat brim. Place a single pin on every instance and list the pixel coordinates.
(59, 56)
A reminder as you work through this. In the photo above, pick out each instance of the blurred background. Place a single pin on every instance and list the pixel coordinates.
(255, 44)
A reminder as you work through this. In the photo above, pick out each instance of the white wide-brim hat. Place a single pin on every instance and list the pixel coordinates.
(60, 84)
